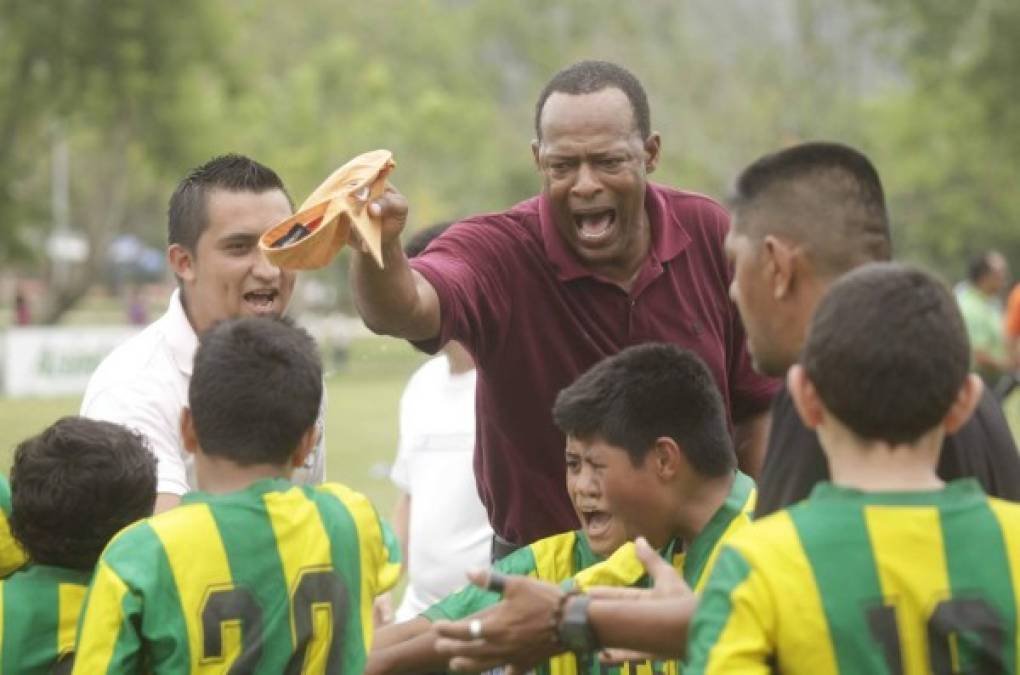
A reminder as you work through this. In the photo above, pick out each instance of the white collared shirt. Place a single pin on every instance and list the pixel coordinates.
(143, 384)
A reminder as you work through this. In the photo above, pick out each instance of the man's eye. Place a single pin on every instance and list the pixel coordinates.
(611, 162)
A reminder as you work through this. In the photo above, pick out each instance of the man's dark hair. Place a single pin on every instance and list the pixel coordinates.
(255, 390)
(588, 77)
(887, 352)
(826, 197)
(187, 216)
(422, 238)
(980, 265)
(646, 392)
(77, 484)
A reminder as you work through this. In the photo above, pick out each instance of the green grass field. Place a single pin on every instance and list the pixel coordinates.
(361, 427)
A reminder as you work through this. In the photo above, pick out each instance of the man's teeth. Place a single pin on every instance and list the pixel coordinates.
(260, 298)
(595, 224)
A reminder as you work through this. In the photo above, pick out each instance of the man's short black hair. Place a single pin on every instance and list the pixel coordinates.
(255, 389)
(77, 484)
(825, 196)
(646, 392)
(422, 238)
(187, 216)
(588, 77)
(887, 351)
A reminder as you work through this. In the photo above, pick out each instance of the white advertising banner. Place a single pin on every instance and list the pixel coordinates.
(56, 361)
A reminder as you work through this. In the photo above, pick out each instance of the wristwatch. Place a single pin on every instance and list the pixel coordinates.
(573, 629)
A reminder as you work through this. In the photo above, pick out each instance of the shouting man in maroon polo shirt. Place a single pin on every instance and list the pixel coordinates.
(600, 260)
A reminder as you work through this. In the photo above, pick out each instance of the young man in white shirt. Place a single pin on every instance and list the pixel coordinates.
(216, 216)
(439, 517)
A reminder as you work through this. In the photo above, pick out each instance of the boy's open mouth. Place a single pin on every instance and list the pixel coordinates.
(596, 522)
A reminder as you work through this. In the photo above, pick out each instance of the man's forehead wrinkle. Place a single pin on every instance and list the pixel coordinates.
(589, 144)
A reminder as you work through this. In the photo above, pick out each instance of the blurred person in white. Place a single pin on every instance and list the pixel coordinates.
(439, 518)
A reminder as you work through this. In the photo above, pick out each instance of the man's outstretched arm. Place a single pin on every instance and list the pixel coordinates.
(393, 300)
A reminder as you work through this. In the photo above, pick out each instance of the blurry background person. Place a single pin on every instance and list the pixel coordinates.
(439, 519)
(1011, 330)
(981, 305)
(22, 311)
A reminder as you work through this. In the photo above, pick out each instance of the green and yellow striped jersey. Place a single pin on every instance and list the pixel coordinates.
(858, 582)
(11, 554)
(275, 579)
(568, 559)
(39, 609)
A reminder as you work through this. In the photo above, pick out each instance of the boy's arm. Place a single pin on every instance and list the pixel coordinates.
(733, 629)
(396, 633)
(408, 648)
(108, 641)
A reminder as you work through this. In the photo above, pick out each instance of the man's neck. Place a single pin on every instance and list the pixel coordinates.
(221, 476)
(880, 467)
(187, 310)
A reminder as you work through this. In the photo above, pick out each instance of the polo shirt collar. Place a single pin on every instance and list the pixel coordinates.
(180, 336)
(669, 238)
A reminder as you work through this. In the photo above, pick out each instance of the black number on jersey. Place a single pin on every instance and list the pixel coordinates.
(63, 665)
(959, 627)
(319, 605)
(319, 594)
(236, 606)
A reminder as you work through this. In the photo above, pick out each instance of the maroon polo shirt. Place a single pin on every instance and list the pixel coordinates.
(512, 292)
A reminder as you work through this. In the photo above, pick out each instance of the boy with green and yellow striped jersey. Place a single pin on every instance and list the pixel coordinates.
(647, 453)
(251, 574)
(11, 554)
(886, 569)
(74, 486)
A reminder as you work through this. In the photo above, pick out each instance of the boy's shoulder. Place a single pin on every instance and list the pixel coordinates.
(1008, 515)
(767, 538)
(549, 559)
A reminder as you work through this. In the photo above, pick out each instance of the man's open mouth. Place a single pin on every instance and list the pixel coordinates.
(262, 300)
(593, 226)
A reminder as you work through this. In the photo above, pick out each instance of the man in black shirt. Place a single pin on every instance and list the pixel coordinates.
(803, 217)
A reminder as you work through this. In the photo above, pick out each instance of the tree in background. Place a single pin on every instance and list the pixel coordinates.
(145, 90)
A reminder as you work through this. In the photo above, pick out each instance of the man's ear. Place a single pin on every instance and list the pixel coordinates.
(182, 262)
(534, 153)
(653, 148)
(666, 457)
(805, 397)
(188, 435)
(305, 446)
(780, 264)
(966, 400)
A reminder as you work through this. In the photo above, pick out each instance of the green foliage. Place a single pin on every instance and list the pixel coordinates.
(948, 139)
(145, 90)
